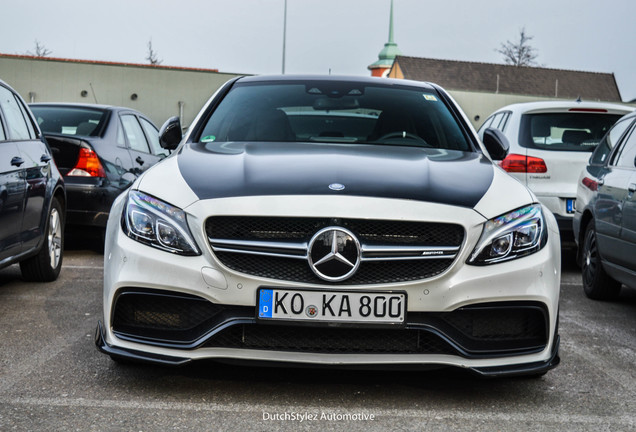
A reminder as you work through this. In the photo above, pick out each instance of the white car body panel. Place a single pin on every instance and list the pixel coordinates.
(533, 278)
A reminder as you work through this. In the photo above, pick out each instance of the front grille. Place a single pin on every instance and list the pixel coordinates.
(302, 229)
(372, 272)
(252, 245)
(186, 321)
(478, 331)
(324, 340)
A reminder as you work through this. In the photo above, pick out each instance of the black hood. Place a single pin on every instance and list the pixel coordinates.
(221, 170)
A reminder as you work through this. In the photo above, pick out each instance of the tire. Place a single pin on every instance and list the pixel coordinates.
(597, 284)
(46, 265)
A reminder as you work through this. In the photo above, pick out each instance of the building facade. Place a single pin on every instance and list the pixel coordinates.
(481, 88)
(158, 91)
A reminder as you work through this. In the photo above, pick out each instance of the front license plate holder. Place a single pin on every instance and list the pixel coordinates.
(337, 306)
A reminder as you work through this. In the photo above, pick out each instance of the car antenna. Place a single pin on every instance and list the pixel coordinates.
(93, 90)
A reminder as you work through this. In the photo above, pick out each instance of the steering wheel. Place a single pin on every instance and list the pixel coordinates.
(404, 135)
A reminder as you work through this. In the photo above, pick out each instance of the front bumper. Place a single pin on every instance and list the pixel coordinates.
(533, 280)
(522, 369)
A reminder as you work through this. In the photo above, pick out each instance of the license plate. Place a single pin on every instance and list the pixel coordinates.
(332, 306)
(570, 205)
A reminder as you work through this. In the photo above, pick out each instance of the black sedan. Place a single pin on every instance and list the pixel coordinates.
(100, 150)
(605, 218)
(32, 198)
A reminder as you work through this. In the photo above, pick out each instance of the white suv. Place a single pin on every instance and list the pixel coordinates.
(550, 143)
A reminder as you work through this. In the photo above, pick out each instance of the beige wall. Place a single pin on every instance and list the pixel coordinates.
(483, 104)
(159, 90)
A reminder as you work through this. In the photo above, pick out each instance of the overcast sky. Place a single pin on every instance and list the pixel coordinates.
(341, 36)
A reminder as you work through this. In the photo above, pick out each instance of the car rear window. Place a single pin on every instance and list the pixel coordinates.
(572, 131)
(335, 112)
(78, 121)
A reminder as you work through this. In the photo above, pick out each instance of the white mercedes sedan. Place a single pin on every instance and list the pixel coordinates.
(332, 221)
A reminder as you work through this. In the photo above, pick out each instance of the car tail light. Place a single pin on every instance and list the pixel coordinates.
(590, 184)
(88, 165)
(523, 164)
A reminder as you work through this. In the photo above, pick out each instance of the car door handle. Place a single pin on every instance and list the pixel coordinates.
(17, 161)
(632, 187)
(600, 182)
(45, 158)
(139, 160)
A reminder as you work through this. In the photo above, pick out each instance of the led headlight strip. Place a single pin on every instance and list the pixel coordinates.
(512, 235)
(156, 223)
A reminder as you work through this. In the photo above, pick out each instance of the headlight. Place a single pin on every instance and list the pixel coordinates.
(513, 235)
(158, 224)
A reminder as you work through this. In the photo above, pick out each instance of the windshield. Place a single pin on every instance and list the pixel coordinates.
(69, 120)
(576, 131)
(341, 112)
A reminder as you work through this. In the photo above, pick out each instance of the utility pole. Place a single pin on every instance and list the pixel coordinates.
(284, 34)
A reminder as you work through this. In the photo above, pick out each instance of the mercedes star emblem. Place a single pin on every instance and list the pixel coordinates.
(334, 254)
(336, 186)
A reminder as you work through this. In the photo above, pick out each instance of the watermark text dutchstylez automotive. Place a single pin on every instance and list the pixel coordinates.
(314, 416)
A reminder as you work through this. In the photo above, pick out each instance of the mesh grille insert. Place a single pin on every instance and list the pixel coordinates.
(301, 230)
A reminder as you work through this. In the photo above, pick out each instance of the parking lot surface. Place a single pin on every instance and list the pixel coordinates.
(53, 378)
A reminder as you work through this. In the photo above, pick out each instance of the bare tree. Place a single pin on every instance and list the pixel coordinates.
(40, 50)
(520, 53)
(152, 55)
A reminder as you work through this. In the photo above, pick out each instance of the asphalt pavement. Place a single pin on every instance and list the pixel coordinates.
(53, 378)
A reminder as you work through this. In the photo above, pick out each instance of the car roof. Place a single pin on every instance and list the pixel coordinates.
(82, 105)
(338, 78)
(630, 115)
(565, 106)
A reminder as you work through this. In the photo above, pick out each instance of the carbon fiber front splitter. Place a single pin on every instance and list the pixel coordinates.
(524, 369)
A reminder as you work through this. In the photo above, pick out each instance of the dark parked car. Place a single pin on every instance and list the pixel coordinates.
(32, 197)
(605, 218)
(100, 150)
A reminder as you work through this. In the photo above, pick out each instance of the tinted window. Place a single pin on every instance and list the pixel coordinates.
(153, 137)
(70, 120)
(17, 128)
(565, 131)
(334, 112)
(627, 155)
(136, 137)
(609, 141)
(2, 135)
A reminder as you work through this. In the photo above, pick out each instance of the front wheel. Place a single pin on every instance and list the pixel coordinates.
(597, 284)
(46, 265)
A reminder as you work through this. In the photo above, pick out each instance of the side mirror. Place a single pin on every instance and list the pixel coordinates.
(496, 143)
(170, 133)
